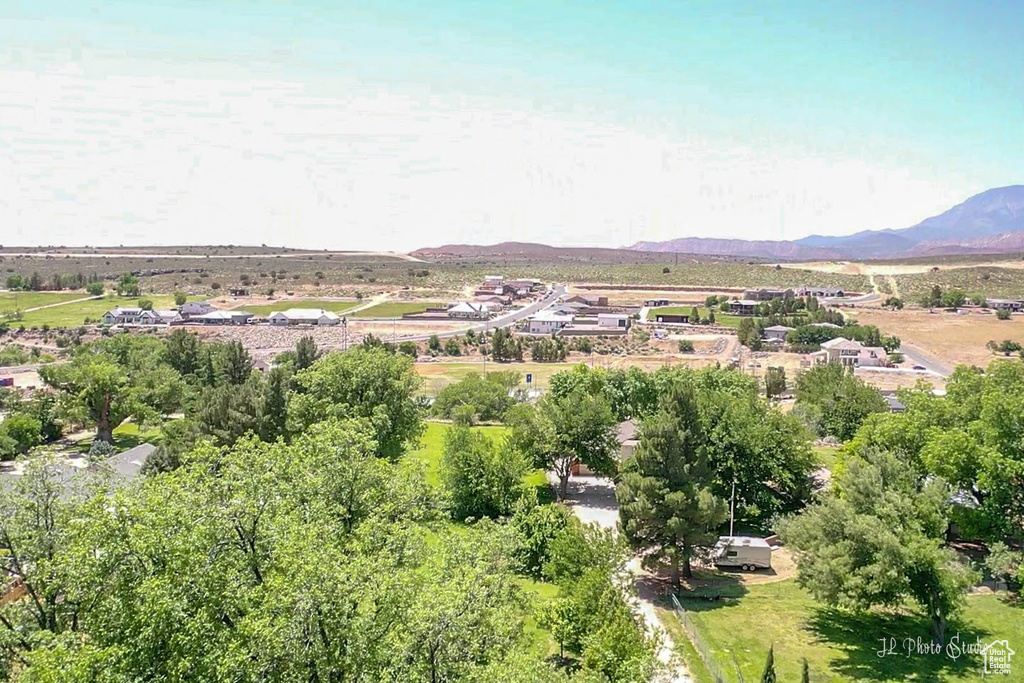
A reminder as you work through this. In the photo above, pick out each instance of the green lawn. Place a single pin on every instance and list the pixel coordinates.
(11, 301)
(397, 309)
(826, 455)
(335, 306)
(839, 646)
(72, 315)
(723, 319)
(126, 436)
(432, 443)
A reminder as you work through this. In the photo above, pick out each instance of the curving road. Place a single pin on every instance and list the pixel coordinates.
(505, 320)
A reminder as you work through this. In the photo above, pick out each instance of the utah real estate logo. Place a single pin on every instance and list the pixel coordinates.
(997, 657)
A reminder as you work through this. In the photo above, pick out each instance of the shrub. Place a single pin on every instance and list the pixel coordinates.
(685, 346)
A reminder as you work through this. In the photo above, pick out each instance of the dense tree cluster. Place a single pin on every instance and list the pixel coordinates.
(488, 396)
(834, 402)
(765, 451)
(280, 534)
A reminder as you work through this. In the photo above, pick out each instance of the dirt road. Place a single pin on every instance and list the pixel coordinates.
(592, 499)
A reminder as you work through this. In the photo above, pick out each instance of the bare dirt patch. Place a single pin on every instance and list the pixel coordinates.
(949, 337)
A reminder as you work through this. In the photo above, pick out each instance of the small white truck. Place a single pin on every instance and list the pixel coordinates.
(743, 552)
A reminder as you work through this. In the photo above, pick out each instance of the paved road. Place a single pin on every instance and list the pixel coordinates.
(509, 318)
(916, 356)
(592, 499)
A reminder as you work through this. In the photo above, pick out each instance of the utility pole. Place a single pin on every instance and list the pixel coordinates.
(732, 505)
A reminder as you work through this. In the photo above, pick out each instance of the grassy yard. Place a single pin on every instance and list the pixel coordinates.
(72, 315)
(432, 444)
(826, 455)
(837, 645)
(126, 436)
(396, 309)
(723, 319)
(438, 375)
(539, 642)
(11, 301)
(335, 306)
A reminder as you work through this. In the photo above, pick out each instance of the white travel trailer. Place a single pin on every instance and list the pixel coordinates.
(744, 552)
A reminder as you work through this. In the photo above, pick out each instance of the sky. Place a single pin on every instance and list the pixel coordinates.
(398, 124)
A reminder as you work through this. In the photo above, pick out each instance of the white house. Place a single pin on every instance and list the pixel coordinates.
(613, 320)
(470, 309)
(222, 318)
(123, 316)
(851, 353)
(304, 316)
(191, 308)
(777, 333)
(161, 317)
(549, 321)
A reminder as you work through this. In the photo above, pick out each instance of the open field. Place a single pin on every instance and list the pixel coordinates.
(951, 338)
(264, 310)
(438, 375)
(11, 301)
(998, 277)
(396, 309)
(838, 646)
(72, 315)
(636, 297)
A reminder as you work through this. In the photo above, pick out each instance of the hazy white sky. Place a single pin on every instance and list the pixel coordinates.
(103, 148)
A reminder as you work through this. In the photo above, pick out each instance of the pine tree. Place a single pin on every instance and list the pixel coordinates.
(769, 667)
(665, 499)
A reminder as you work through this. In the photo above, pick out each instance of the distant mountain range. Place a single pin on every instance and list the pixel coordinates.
(990, 222)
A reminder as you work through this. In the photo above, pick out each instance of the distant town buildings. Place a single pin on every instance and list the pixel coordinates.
(304, 316)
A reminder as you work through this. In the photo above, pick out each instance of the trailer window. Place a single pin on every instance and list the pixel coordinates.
(731, 553)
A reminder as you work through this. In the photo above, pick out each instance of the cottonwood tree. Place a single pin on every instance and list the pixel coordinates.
(107, 382)
(368, 383)
(666, 504)
(564, 432)
(480, 478)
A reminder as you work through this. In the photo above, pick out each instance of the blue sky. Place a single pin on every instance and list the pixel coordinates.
(394, 125)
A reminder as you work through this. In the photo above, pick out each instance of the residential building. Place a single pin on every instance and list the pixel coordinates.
(549, 321)
(777, 333)
(743, 307)
(470, 309)
(820, 292)
(592, 301)
(304, 316)
(851, 353)
(191, 308)
(162, 317)
(895, 404)
(655, 303)
(222, 318)
(493, 280)
(831, 326)
(763, 294)
(671, 318)
(613, 320)
(1005, 305)
(123, 316)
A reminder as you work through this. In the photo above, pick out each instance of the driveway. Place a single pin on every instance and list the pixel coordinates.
(592, 499)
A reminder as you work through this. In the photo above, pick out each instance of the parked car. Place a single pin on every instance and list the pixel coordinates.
(920, 367)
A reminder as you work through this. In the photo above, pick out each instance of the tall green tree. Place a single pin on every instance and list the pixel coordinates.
(480, 478)
(306, 352)
(562, 433)
(373, 384)
(878, 539)
(666, 504)
(834, 402)
(123, 377)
